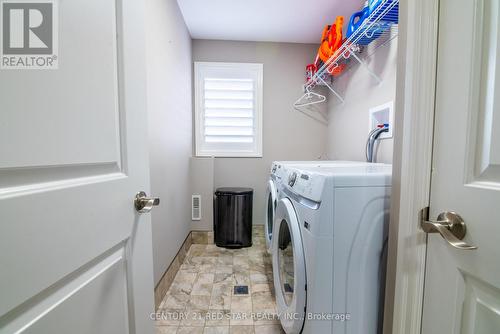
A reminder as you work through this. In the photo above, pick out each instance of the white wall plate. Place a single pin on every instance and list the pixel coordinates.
(382, 114)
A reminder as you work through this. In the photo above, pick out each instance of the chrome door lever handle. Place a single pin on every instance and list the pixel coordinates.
(450, 225)
(143, 203)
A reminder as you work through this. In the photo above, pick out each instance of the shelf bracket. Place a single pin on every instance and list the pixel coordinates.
(331, 89)
(376, 77)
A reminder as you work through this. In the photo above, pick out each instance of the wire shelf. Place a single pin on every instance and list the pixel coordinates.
(377, 30)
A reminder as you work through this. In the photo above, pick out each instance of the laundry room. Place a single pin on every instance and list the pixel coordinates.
(249, 167)
(268, 93)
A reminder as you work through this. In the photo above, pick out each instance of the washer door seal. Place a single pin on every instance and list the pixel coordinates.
(289, 269)
(272, 202)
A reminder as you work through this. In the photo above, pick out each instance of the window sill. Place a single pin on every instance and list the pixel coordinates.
(228, 155)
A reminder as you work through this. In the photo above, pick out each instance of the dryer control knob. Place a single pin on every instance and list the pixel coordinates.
(292, 178)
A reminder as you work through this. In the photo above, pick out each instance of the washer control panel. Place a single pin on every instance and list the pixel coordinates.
(292, 178)
(305, 184)
(277, 172)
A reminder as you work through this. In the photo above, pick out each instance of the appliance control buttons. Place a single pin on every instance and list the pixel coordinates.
(292, 178)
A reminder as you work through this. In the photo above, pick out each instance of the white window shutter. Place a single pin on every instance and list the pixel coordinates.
(228, 109)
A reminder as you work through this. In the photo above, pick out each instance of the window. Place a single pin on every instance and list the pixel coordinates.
(228, 109)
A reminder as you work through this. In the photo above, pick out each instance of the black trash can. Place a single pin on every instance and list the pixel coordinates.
(233, 217)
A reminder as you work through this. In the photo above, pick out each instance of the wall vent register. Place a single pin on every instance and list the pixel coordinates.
(228, 109)
(196, 207)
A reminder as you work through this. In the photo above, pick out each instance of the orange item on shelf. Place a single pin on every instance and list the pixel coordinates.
(324, 34)
(324, 48)
(336, 42)
(336, 69)
(331, 40)
(336, 34)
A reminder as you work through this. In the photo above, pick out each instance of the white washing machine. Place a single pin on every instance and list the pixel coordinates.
(278, 169)
(328, 248)
(273, 192)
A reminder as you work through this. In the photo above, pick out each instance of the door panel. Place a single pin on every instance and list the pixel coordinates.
(50, 241)
(462, 286)
(81, 95)
(481, 306)
(483, 167)
(74, 253)
(58, 310)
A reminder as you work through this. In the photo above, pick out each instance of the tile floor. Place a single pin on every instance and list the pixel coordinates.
(202, 300)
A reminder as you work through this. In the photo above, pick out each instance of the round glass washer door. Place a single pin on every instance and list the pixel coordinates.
(289, 269)
(271, 203)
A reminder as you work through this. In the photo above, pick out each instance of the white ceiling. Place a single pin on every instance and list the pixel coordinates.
(295, 21)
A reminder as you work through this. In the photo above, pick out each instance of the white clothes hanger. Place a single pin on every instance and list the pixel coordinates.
(310, 98)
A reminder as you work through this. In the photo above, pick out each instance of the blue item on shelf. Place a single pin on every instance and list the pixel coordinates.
(392, 16)
(372, 33)
(356, 21)
(368, 35)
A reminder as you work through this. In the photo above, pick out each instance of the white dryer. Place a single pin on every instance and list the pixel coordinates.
(273, 189)
(272, 193)
(330, 228)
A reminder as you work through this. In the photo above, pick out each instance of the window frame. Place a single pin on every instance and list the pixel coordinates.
(200, 69)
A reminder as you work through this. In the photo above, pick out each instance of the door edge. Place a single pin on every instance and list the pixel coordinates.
(413, 144)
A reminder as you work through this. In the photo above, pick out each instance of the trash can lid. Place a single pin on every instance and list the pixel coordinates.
(233, 191)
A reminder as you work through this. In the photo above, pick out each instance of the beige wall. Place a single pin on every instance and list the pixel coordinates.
(168, 51)
(287, 133)
(202, 183)
(348, 122)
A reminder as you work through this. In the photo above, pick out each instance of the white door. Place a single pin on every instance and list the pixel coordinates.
(462, 287)
(75, 256)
